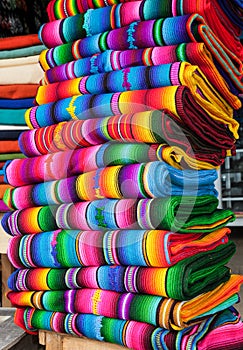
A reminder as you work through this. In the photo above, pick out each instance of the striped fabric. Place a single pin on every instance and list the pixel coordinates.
(116, 231)
(224, 17)
(196, 214)
(134, 279)
(70, 248)
(144, 34)
(195, 53)
(179, 100)
(158, 311)
(143, 180)
(223, 329)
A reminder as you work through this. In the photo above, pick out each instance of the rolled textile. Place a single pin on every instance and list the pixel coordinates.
(60, 8)
(224, 326)
(9, 146)
(22, 52)
(187, 132)
(16, 103)
(11, 70)
(18, 91)
(140, 78)
(147, 34)
(178, 100)
(176, 213)
(143, 180)
(13, 116)
(154, 248)
(108, 61)
(182, 281)
(19, 41)
(158, 311)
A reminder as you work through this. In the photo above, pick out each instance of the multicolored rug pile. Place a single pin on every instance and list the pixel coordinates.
(115, 225)
(20, 75)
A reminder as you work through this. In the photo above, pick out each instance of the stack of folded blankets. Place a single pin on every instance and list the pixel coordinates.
(116, 231)
(20, 75)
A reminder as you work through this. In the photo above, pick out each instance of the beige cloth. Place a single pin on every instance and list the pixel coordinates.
(23, 70)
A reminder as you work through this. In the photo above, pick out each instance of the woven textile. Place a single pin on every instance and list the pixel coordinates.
(195, 53)
(65, 164)
(216, 16)
(122, 247)
(155, 281)
(11, 70)
(155, 310)
(13, 116)
(9, 146)
(139, 78)
(61, 8)
(16, 103)
(143, 180)
(223, 328)
(151, 33)
(18, 91)
(19, 41)
(59, 165)
(22, 52)
(177, 99)
(176, 213)
(186, 130)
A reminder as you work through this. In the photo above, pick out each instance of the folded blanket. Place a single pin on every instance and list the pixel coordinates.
(155, 310)
(224, 328)
(154, 248)
(190, 275)
(11, 70)
(16, 103)
(9, 134)
(187, 133)
(22, 52)
(9, 146)
(13, 116)
(65, 8)
(151, 33)
(70, 163)
(140, 78)
(9, 156)
(195, 53)
(86, 24)
(18, 91)
(143, 180)
(59, 165)
(178, 214)
(178, 100)
(19, 41)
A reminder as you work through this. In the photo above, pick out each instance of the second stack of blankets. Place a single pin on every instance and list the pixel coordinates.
(117, 235)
